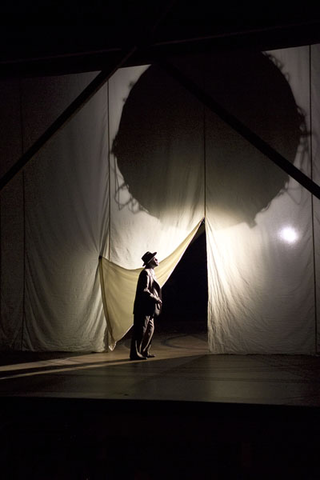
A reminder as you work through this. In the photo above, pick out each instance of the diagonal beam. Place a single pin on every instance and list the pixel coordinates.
(239, 127)
(86, 95)
(66, 116)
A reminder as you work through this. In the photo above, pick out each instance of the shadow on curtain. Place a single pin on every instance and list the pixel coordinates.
(161, 117)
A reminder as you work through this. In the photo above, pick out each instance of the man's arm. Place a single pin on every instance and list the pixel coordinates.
(145, 284)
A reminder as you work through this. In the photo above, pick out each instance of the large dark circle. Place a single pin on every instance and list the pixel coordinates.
(163, 124)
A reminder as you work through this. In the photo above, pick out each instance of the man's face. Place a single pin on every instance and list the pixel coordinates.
(154, 262)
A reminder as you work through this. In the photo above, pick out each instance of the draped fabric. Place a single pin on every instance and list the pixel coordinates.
(257, 266)
(139, 168)
(119, 287)
(314, 126)
(53, 221)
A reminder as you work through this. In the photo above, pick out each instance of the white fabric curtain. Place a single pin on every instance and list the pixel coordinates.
(12, 224)
(50, 288)
(137, 169)
(118, 287)
(257, 265)
(315, 164)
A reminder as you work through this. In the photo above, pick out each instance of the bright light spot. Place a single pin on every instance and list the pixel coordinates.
(289, 235)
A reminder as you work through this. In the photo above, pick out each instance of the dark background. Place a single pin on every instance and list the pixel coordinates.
(185, 294)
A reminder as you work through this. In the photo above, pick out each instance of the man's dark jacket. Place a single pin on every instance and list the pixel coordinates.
(147, 295)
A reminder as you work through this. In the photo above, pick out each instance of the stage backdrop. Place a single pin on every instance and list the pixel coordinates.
(139, 168)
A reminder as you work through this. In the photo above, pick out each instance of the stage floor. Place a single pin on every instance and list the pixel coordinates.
(184, 414)
(183, 370)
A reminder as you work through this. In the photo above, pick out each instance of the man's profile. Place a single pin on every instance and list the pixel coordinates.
(147, 306)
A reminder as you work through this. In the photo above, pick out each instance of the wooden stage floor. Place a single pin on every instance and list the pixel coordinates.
(184, 414)
(183, 371)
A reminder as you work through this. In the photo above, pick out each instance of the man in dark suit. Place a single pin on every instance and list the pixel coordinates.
(147, 306)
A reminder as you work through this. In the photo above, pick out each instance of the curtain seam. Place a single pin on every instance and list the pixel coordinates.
(312, 207)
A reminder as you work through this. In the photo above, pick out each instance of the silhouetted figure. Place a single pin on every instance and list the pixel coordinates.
(147, 306)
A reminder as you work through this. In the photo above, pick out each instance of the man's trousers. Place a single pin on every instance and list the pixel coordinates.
(143, 330)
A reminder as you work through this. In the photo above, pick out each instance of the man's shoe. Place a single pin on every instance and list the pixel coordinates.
(138, 356)
(148, 355)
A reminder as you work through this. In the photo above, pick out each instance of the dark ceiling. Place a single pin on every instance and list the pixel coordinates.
(147, 29)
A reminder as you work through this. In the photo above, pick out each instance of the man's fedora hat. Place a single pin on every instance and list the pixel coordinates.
(147, 257)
